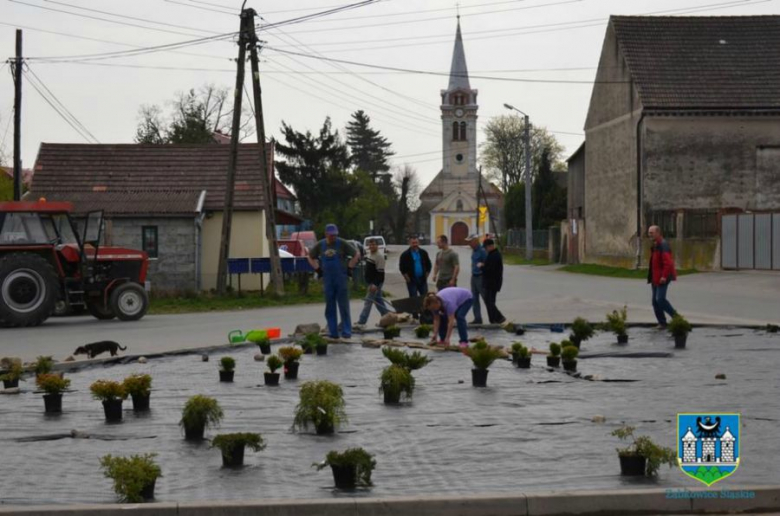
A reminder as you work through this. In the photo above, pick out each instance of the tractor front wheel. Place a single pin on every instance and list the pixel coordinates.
(129, 302)
(28, 290)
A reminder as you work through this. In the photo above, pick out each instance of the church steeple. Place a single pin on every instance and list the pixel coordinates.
(459, 73)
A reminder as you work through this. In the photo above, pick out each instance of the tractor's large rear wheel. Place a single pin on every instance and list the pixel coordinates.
(99, 311)
(129, 302)
(28, 290)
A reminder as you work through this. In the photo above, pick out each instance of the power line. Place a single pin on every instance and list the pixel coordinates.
(74, 124)
(234, 14)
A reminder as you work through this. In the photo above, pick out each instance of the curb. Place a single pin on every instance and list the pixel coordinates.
(553, 503)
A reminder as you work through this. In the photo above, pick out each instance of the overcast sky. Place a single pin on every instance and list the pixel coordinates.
(535, 42)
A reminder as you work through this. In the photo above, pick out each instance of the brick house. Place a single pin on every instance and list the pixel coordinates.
(165, 199)
(683, 128)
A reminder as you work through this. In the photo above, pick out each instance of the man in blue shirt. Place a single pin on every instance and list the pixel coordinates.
(478, 257)
(415, 266)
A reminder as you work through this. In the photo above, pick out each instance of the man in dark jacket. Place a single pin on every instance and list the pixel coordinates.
(492, 279)
(660, 273)
(415, 266)
(375, 278)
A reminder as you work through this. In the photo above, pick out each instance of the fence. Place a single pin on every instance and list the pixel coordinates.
(750, 241)
(516, 238)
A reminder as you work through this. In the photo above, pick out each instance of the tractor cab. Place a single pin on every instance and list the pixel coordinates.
(50, 259)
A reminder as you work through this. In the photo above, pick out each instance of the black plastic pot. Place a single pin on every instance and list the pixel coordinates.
(113, 409)
(52, 403)
(523, 363)
(307, 350)
(389, 334)
(265, 349)
(322, 350)
(271, 378)
(140, 402)
(479, 377)
(226, 376)
(680, 340)
(392, 398)
(570, 366)
(632, 465)
(147, 493)
(553, 361)
(575, 340)
(324, 428)
(194, 433)
(423, 335)
(234, 457)
(519, 330)
(291, 370)
(622, 339)
(345, 477)
(11, 384)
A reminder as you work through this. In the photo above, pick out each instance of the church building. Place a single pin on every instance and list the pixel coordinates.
(452, 202)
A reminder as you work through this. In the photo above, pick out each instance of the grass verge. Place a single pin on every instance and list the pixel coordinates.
(615, 272)
(208, 302)
(516, 259)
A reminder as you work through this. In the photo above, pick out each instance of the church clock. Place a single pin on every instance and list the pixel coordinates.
(459, 112)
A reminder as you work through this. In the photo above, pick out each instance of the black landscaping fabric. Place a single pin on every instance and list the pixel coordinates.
(528, 430)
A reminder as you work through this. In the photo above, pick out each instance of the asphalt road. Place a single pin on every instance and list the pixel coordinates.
(530, 294)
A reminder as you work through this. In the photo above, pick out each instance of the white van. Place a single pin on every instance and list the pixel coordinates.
(380, 244)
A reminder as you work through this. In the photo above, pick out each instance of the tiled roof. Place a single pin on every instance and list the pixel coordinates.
(719, 62)
(161, 168)
(132, 202)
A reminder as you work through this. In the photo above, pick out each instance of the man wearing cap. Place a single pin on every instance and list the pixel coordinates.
(478, 257)
(334, 258)
(492, 279)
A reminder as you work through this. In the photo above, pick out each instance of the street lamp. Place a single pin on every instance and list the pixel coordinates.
(529, 242)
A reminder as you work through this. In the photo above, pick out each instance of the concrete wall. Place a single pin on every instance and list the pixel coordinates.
(610, 191)
(174, 268)
(712, 163)
(575, 188)
(247, 241)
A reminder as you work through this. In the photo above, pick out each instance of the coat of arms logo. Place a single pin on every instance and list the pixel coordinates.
(708, 445)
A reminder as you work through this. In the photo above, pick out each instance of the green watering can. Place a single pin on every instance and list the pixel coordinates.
(236, 337)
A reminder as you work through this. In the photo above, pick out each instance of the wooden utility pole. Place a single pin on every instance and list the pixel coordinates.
(227, 214)
(266, 176)
(17, 69)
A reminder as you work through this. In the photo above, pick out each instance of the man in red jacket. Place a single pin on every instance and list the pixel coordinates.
(660, 273)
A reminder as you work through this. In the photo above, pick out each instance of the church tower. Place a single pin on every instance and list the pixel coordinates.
(452, 205)
(459, 118)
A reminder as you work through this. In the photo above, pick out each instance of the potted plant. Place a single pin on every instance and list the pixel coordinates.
(227, 366)
(134, 476)
(616, 322)
(642, 456)
(351, 468)
(199, 413)
(53, 385)
(111, 394)
(554, 358)
(392, 332)
(521, 355)
(679, 327)
(411, 362)
(395, 381)
(569, 355)
(290, 356)
(316, 342)
(273, 364)
(482, 356)
(232, 447)
(139, 388)
(13, 374)
(580, 330)
(262, 341)
(423, 331)
(43, 365)
(321, 405)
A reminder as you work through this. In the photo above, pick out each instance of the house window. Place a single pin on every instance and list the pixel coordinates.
(700, 224)
(667, 221)
(149, 240)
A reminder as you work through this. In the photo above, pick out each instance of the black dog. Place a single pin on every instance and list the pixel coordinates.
(96, 348)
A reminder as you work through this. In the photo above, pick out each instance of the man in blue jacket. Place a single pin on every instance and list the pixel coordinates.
(478, 256)
(415, 266)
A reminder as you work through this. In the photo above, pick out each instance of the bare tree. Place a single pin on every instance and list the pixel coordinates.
(407, 186)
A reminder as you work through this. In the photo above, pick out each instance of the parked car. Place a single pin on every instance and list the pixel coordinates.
(380, 243)
(360, 248)
(294, 247)
(309, 238)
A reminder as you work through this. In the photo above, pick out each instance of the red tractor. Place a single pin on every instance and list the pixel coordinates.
(49, 260)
